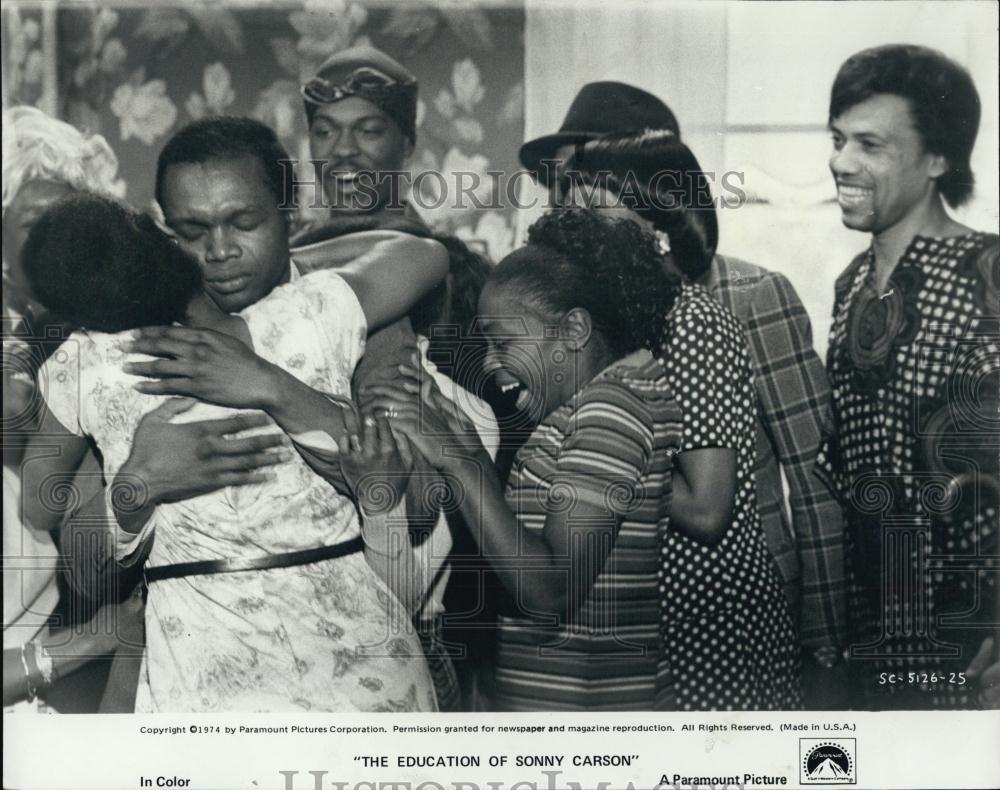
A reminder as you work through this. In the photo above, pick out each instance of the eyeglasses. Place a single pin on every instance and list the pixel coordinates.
(365, 78)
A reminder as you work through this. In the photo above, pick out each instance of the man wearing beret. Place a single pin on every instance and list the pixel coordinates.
(362, 108)
(793, 397)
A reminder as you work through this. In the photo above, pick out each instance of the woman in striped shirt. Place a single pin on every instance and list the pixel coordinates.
(571, 321)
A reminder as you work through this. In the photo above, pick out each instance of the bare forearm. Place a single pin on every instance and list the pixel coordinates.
(389, 553)
(87, 541)
(298, 408)
(502, 540)
(68, 651)
(704, 488)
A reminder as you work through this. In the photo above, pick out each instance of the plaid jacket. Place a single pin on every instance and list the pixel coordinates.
(793, 405)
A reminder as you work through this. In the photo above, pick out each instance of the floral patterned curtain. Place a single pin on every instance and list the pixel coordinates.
(136, 74)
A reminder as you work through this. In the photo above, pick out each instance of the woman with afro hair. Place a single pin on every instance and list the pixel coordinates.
(571, 320)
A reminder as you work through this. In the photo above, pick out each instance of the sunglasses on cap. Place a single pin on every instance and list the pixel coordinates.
(320, 90)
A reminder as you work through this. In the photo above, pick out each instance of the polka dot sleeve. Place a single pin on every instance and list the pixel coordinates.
(709, 364)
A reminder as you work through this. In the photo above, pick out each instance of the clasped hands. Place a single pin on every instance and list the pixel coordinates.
(375, 443)
(416, 408)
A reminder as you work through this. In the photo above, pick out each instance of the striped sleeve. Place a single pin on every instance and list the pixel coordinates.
(606, 449)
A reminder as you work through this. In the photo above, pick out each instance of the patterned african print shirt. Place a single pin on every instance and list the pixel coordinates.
(914, 374)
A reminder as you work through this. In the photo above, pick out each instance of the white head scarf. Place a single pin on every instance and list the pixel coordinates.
(37, 146)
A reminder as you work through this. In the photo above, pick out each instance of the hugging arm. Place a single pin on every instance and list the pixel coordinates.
(168, 462)
(50, 460)
(388, 271)
(380, 274)
(217, 368)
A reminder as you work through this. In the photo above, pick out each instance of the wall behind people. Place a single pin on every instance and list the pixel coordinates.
(136, 73)
(750, 85)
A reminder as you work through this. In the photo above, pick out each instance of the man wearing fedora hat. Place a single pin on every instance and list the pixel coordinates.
(792, 391)
(599, 108)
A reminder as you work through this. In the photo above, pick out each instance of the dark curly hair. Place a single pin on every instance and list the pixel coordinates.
(447, 315)
(227, 138)
(943, 101)
(658, 177)
(101, 266)
(611, 267)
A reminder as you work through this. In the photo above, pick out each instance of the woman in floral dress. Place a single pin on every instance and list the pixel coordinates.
(326, 636)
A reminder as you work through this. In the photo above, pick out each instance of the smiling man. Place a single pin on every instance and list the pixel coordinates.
(362, 109)
(913, 336)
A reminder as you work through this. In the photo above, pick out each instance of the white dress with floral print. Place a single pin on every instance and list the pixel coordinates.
(325, 637)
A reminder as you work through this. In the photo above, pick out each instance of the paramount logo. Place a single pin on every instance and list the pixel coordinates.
(827, 762)
(828, 769)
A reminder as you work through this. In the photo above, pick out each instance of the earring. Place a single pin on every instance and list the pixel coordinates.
(662, 242)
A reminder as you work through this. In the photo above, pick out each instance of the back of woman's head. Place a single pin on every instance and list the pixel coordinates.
(610, 267)
(658, 177)
(101, 266)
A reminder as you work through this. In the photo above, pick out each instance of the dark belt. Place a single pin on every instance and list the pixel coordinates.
(204, 567)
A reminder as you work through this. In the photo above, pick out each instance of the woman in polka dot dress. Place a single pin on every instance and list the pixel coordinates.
(726, 620)
(726, 625)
